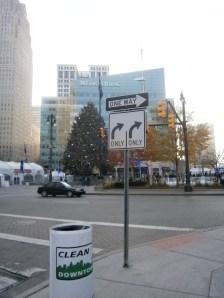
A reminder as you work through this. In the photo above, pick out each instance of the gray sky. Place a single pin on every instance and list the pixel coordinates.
(185, 37)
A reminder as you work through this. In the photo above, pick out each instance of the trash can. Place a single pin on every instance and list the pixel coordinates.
(71, 265)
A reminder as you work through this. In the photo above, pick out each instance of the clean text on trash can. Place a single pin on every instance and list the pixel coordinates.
(74, 262)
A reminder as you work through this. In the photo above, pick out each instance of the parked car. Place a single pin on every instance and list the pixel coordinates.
(59, 188)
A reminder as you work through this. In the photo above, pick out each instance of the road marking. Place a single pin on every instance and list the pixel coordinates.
(35, 241)
(98, 223)
(24, 239)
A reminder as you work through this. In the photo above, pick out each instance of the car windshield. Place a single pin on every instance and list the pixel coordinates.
(66, 184)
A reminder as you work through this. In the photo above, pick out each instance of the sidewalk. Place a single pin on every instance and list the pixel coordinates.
(92, 190)
(184, 266)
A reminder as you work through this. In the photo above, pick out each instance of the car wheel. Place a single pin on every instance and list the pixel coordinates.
(69, 194)
(54, 195)
(44, 193)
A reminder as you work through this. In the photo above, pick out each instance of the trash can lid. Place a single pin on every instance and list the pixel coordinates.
(71, 227)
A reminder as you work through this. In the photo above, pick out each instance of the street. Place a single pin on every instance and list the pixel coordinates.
(26, 217)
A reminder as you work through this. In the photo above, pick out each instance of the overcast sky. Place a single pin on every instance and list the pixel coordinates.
(185, 37)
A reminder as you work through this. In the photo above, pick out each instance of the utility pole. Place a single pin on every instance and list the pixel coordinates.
(187, 187)
(162, 112)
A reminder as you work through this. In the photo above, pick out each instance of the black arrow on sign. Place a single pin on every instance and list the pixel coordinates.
(118, 126)
(137, 125)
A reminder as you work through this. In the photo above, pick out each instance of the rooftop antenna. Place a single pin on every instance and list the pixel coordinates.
(141, 79)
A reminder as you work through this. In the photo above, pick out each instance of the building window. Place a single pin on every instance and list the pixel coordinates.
(72, 74)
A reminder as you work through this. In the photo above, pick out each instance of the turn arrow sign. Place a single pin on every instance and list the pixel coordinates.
(136, 125)
(127, 130)
(118, 126)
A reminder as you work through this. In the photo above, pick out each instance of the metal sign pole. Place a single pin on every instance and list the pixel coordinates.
(126, 205)
(127, 131)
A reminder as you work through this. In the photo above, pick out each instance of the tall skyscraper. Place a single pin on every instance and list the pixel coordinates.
(15, 81)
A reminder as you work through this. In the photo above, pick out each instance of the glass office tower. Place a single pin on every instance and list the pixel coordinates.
(151, 81)
(54, 134)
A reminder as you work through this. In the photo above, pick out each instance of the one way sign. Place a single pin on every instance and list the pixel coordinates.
(127, 130)
(126, 102)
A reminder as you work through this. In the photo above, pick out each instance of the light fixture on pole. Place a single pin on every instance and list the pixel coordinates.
(187, 186)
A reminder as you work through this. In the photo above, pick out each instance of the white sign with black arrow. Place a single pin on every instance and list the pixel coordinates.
(127, 130)
(125, 102)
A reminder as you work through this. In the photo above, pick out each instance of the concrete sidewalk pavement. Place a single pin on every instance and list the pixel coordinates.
(97, 190)
(184, 266)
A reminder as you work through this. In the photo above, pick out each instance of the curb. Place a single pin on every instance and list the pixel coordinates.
(157, 193)
(34, 290)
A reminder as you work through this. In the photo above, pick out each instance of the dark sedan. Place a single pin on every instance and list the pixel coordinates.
(58, 189)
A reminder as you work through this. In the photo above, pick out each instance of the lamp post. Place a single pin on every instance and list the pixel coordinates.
(51, 120)
(101, 126)
(187, 186)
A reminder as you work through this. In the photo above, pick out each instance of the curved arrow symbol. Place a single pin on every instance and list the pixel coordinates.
(118, 126)
(137, 125)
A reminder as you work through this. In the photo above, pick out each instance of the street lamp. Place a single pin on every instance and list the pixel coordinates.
(101, 124)
(187, 186)
(51, 120)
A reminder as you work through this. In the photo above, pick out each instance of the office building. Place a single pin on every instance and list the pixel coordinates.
(35, 133)
(68, 73)
(36, 116)
(83, 86)
(54, 134)
(95, 70)
(15, 81)
(62, 108)
(208, 156)
(76, 88)
(153, 82)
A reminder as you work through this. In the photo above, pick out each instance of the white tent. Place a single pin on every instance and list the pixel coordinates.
(36, 169)
(5, 168)
(31, 172)
(57, 176)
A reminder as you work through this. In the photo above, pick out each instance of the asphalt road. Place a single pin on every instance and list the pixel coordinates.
(25, 220)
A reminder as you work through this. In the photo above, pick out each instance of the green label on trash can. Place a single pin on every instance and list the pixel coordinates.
(74, 262)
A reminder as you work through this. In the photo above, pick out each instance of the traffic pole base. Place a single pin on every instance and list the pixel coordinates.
(188, 188)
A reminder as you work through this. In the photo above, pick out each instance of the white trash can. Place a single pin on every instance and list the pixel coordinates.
(71, 262)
